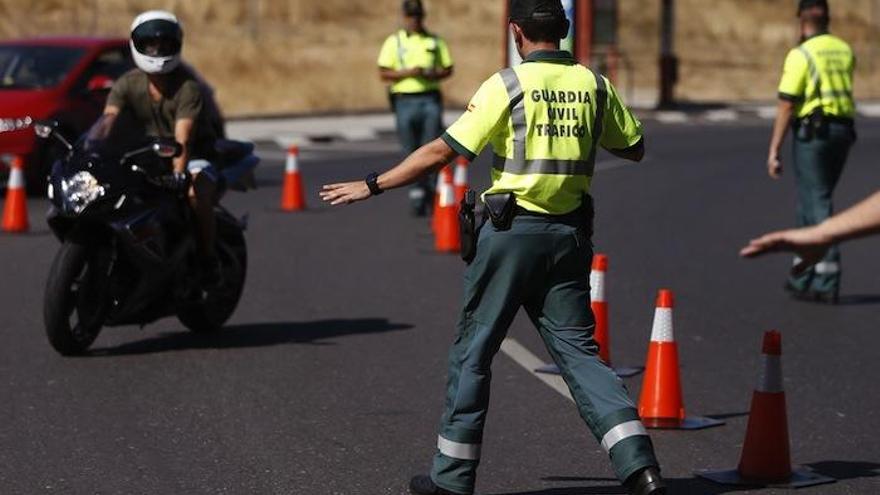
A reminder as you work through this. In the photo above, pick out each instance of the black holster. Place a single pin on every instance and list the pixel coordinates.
(468, 226)
(502, 209)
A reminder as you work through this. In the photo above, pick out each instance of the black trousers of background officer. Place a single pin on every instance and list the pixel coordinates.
(819, 158)
(541, 264)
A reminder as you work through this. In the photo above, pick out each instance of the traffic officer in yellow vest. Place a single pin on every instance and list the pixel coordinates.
(816, 101)
(545, 120)
(414, 61)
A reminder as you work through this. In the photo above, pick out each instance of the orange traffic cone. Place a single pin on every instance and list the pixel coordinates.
(602, 334)
(292, 197)
(661, 404)
(765, 456)
(15, 216)
(438, 191)
(600, 306)
(460, 180)
(448, 235)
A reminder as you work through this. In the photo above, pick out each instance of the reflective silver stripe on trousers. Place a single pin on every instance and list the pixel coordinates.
(621, 432)
(464, 451)
(517, 114)
(822, 268)
(547, 167)
(827, 268)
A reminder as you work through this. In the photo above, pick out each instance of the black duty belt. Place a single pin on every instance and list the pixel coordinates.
(417, 95)
(575, 217)
(831, 119)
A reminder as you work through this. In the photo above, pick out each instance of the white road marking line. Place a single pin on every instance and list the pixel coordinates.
(523, 357)
(767, 112)
(724, 115)
(672, 117)
(869, 109)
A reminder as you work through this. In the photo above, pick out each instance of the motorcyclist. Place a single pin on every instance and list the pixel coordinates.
(169, 100)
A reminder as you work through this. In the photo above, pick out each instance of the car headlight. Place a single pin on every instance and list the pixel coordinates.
(10, 125)
(81, 190)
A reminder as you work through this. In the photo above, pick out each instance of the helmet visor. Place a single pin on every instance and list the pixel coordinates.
(157, 38)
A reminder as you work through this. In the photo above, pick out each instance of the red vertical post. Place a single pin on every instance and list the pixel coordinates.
(583, 31)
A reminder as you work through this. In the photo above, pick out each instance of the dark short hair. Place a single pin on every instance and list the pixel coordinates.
(817, 16)
(549, 29)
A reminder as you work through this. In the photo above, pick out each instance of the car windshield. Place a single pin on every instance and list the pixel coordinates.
(35, 67)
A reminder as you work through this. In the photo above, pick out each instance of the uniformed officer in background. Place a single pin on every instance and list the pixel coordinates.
(414, 61)
(816, 101)
(545, 120)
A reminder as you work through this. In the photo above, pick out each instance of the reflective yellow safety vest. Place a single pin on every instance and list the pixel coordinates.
(404, 50)
(818, 75)
(545, 120)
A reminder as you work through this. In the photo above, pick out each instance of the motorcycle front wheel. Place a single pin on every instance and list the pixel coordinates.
(71, 305)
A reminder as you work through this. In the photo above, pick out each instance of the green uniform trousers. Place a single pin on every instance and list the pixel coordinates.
(419, 121)
(818, 165)
(543, 266)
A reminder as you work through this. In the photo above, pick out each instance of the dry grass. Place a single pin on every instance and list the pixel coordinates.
(283, 56)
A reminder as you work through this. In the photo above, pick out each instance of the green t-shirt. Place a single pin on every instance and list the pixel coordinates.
(183, 99)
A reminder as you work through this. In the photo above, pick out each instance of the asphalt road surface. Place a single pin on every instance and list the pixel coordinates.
(330, 376)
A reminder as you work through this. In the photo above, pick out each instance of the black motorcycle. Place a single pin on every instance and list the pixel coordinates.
(128, 253)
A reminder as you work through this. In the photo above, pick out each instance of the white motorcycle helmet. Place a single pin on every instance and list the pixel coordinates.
(156, 42)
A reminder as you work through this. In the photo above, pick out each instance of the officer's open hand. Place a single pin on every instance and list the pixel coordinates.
(345, 193)
(810, 244)
(774, 166)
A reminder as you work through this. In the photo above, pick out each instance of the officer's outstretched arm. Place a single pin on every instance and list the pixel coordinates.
(430, 157)
(634, 153)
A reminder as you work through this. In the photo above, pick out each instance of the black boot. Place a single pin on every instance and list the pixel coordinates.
(646, 482)
(424, 485)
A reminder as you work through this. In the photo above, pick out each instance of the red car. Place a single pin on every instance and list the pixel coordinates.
(63, 79)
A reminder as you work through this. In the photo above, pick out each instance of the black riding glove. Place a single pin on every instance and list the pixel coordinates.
(177, 182)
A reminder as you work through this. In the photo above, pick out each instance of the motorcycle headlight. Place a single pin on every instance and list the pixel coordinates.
(81, 190)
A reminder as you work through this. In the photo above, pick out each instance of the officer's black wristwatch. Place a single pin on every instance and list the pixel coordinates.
(373, 183)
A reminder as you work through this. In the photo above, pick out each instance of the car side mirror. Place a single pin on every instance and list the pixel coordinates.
(167, 148)
(99, 83)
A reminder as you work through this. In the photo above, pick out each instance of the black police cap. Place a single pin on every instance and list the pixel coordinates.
(521, 10)
(807, 4)
(413, 8)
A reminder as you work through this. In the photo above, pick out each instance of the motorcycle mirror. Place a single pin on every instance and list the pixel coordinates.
(44, 128)
(167, 149)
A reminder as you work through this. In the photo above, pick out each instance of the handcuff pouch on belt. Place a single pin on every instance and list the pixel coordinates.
(468, 226)
(501, 208)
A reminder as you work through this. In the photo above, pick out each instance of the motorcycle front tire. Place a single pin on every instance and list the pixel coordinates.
(64, 299)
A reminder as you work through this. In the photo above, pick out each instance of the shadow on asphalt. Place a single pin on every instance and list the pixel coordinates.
(839, 470)
(728, 415)
(254, 335)
(846, 470)
(859, 300)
